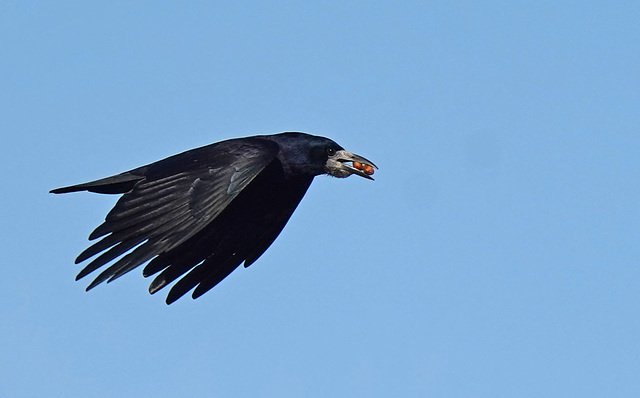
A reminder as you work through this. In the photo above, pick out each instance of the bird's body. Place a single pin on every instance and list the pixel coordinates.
(198, 215)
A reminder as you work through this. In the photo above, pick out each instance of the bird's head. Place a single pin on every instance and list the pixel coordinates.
(342, 164)
(315, 155)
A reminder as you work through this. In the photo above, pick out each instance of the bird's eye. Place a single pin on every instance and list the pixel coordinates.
(331, 151)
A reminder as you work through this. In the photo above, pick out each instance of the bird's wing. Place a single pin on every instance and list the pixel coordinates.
(241, 233)
(176, 198)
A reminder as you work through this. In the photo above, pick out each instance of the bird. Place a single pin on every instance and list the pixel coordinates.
(194, 217)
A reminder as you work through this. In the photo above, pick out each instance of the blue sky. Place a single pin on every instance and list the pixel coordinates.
(495, 255)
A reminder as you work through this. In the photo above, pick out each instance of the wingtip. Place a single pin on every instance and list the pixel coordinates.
(101, 278)
(72, 188)
(157, 284)
(84, 272)
(175, 294)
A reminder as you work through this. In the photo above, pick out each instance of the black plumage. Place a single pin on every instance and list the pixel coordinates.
(196, 216)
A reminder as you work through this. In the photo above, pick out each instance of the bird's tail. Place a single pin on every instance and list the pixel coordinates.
(116, 184)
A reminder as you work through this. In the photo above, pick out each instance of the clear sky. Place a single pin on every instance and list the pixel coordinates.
(495, 255)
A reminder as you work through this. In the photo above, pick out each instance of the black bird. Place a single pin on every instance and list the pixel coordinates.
(198, 215)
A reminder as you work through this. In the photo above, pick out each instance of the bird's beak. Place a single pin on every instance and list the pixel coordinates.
(345, 163)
